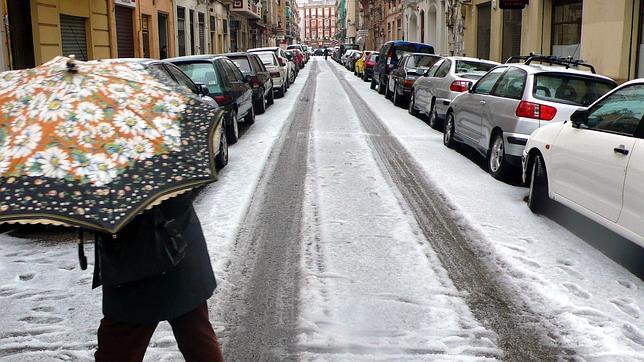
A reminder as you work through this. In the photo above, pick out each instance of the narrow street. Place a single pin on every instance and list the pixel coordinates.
(344, 230)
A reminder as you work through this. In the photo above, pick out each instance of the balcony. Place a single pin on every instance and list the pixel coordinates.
(246, 8)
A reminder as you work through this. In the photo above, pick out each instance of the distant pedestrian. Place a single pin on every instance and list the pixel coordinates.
(326, 53)
(135, 302)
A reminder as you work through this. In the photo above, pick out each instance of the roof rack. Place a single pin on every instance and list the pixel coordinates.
(552, 60)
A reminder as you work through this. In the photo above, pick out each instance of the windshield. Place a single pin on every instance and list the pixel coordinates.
(570, 89)
(471, 67)
(202, 73)
(267, 58)
(242, 64)
(421, 61)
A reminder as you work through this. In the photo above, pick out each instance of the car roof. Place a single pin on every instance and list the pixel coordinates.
(195, 58)
(235, 54)
(263, 49)
(470, 59)
(540, 68)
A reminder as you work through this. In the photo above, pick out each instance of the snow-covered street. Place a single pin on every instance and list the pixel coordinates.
(325, 248)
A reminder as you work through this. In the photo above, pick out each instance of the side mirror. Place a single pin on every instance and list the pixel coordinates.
(248, 78)
(579, 118)
(203, 90)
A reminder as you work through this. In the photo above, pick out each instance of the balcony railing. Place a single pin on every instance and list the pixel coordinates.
(246, 8)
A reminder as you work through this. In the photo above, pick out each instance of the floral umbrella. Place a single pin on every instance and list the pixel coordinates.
(92, 144)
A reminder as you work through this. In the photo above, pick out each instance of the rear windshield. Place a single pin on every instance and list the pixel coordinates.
(202, 73)
(471, 67)
(242, 63)
(267, 58)
(570, 89)
(420, 61)
(373, 57)
(405, 49)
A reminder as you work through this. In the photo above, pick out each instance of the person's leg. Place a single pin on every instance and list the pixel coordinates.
(123, 341)
(196, 338)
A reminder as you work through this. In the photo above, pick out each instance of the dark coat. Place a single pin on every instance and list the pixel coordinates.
(169, 295)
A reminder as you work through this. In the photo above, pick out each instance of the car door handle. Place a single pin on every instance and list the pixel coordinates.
(621, 149)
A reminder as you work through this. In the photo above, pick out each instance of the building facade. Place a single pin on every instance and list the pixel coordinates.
(318, 22)
(425, 21)
(394, 20)
(606, 33)
(347, 22)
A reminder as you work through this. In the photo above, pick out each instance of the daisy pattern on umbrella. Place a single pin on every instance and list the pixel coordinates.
(26, 141)
(129, 122)
(52, 162)
(89, 112)
(101, 170)
(57, 107)
(140, 148)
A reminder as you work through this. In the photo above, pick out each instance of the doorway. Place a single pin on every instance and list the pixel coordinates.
(145, 34)
(163, 35)
(20, 35)
(484, 27)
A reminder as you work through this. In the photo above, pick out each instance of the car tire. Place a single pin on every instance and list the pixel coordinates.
(373, 84)
(397, 99)
(538, 193)
(232, 128)
(271, 96)
(433, 115)
(260, 106)
(448, 134)
(221, 160)
(365, 78)
(388, 94)
(382, 88)
(411, 108)
(291, 78)
(497, 165)
(280, 92)
(249, 118)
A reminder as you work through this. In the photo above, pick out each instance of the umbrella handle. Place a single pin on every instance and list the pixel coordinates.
(82, 259)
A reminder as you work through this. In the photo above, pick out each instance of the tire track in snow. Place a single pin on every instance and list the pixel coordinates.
(264, 327)
(522, 336)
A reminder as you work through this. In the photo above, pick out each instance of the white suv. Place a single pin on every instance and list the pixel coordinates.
(594, 162)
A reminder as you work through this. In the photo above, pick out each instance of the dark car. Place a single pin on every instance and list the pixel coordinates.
(260, 78)
(226, 85)
(369, 64)
(390, 53)
(170, 74)
(402, 78)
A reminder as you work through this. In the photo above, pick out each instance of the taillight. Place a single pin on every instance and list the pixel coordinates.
(408, 83)
(282, 62)
(536, 111)
(459, 86)
(255, 82)
(275, 74)
(222, 99)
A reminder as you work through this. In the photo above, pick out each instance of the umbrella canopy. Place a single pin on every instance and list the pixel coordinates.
(92, 144)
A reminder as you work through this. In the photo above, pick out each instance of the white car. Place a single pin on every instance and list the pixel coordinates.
(278, 73)
(594, 162)
(281, 58)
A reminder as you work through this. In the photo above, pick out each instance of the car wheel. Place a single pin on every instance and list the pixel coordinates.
(448, 135)
(365, 78)
(291, 78)
(538, 195)
(222, 157)
(271, 96)
(250, 116)
(260, 107)
(232, 128)
(373, 84)
(496, 157)
(382, 88)
(280, 91)
(388, 93)
(397, 98)
(412, 104)
(433, 115)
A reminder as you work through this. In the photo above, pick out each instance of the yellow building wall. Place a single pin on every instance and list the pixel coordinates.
(153, 8)
(45, 16)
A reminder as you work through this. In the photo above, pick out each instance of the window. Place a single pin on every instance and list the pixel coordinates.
(511, 32)
(566, 28)
(202, 32)
(182, 78)
(232, 73)
(511, 84)
(242, 63)
(621, 112)
(192, 32)
(483, 28)
(471, 67)
(419, 61)
(203, 73)
(485, 84)
(443, 70)
(181, 30)
(432, 71)
(569, 89)
(145, 34)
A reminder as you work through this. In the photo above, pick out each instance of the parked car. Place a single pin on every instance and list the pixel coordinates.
(277, 71)
(343, 48)
(352, 59)
(447, 78)
(409, 68)
(260, 78)
(299, 58)
(345, 56)
(594, 162)
(281, 58)
(226, 84)
(301, 48)
(359, 66)
(290, 56)
(170, 74)
(369, 64)
(506, 105)
(390, 54)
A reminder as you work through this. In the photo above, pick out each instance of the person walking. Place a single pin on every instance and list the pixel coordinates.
(326, 53)
(137, 296)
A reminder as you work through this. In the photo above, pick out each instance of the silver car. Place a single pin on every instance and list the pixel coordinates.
(447, 78)
(500, 111)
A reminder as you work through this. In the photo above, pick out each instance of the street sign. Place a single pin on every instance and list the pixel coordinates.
(512, 4)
